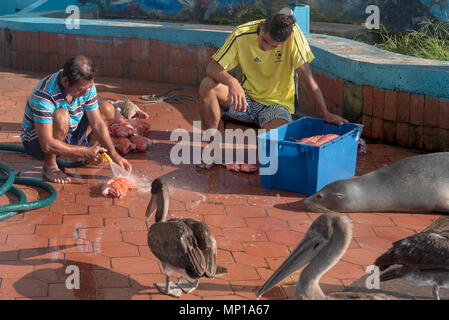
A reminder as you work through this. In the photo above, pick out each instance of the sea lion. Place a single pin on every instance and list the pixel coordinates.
(418, 183)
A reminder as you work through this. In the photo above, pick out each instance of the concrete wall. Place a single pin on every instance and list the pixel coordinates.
(115, 56)
(22, 4)
(8, 7)
(11, 6)
(397, 117)
(400, 100)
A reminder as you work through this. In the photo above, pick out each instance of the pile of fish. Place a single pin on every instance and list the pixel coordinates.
(317, 140)
(129, 135)
(117, 187)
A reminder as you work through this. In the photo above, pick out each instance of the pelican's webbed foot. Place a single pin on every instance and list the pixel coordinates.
(187, 285)
(173, 290)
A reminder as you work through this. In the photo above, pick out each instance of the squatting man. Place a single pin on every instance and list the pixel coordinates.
(63, 118)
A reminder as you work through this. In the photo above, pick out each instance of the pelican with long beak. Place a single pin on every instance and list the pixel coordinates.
(186, 246)
(322, 247)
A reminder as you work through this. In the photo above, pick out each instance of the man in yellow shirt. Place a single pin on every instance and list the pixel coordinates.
(269, 53)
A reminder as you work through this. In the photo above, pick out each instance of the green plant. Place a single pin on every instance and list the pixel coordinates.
(431, 41)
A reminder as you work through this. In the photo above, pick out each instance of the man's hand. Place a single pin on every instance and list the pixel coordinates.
(122, 162)
(236, 97)
(93, 154)
(334, 118)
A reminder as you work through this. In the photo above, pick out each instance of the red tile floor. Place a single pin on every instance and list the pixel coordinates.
(106, 238)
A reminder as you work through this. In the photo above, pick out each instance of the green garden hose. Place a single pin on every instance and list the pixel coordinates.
(9, 181)
(6, 185)
(9, 210)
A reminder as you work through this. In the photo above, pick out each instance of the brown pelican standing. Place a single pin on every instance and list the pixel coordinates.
(421, 259)
(186, 246)
(323, 245)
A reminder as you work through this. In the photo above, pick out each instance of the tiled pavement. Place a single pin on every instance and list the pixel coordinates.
(106, 238)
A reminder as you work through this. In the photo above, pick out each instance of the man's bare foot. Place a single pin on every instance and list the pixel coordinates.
(55, 175)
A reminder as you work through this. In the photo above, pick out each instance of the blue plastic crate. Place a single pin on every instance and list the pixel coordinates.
(301, 13)
(304, 168)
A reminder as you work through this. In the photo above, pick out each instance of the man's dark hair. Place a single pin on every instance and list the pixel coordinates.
(279, 26)
(79, 67)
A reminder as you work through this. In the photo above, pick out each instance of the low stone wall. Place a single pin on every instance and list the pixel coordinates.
(401, 118)
(115, 57)
(399, 99)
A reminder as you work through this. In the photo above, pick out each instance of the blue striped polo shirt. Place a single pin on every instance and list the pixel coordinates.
(46, 98)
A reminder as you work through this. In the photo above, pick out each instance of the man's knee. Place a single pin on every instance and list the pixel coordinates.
(61, 122)
(107, 111)
(207, 87)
